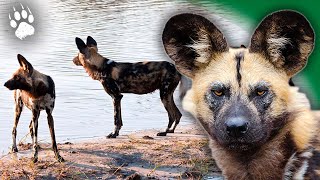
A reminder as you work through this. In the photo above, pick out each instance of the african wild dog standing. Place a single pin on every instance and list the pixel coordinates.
(36, 91)
(257, 124)
(137, 78)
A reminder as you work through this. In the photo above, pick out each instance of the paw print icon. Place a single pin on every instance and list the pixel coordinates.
(22, 21)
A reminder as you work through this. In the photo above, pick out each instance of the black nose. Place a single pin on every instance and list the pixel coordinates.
(6, 84)
(236, 126)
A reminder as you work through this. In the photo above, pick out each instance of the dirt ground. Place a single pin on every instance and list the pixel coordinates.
(140, 155)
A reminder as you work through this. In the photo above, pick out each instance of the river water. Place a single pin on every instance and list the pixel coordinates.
(126, 31)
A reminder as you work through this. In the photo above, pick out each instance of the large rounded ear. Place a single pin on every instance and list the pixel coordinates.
(25, 64)
(286, 39)
(191, 40)
(92, 43)
(83, 48)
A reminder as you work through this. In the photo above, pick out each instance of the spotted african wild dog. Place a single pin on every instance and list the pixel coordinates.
(36, 91)
(257, 124)
(138, 78)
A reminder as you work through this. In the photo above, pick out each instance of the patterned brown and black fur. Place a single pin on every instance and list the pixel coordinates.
(138, 78)
(36, 91)
(259, 126)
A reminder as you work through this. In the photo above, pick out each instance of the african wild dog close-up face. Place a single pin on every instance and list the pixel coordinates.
(241, 95)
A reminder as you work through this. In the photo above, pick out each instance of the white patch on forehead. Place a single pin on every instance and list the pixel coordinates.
(235, 51)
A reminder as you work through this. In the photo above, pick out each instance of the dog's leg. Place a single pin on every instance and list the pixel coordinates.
(166, 102)
(111, 87)
(53, 137)
(31, 129)
(173, 113)
(18, 110)
(35, 117)
(166, 95)
(176, 114)
(117, 116)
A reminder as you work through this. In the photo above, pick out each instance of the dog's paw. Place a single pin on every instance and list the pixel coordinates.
(60, 159)
(22, 21)
(112, 135)
(14, 149)
(38, 147)
(34, 159)
(170, 131)
(162, 134)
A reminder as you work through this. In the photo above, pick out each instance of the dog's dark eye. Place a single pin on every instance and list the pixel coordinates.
(218, 92)
(261, 91)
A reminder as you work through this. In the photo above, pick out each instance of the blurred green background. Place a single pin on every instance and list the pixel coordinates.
(255, 11)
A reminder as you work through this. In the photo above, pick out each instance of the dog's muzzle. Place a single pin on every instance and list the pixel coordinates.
(76, 61)
(8, 85)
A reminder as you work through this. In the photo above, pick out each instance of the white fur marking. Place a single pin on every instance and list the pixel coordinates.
(302, 171)
(307, 154)
(289, 166)
(109, 62)
(202, 46)
(276, 44)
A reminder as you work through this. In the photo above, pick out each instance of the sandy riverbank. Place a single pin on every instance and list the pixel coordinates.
(139, 155)
(183, 155)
